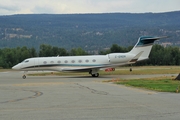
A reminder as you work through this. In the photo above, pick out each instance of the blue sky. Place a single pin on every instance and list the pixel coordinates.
(9, 7)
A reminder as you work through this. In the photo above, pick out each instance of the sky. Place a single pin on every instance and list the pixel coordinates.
(10, 7)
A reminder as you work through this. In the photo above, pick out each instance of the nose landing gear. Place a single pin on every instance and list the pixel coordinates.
(24, 76)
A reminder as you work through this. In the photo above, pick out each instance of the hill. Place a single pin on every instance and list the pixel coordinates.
(89, 31)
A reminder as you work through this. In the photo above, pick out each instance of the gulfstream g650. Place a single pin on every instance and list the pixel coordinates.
(92, 63)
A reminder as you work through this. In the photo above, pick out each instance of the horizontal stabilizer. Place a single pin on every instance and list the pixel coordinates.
(147, 41)
(156, 38)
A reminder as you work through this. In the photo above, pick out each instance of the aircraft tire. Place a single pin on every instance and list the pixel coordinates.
(95, 75)
(24, 76)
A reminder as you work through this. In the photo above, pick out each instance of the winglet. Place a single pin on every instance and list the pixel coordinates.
(134, 59)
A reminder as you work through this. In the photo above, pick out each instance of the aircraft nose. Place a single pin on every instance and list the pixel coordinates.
(16, 67)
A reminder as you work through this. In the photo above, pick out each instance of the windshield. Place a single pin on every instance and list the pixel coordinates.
(25, 61)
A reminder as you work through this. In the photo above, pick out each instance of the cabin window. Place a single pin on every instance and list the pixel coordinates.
(73, 61)
(80, 61)
(52, 62)
(44, 62)
(87, 60)
(58, 61)
(66, 61)
(94, 60)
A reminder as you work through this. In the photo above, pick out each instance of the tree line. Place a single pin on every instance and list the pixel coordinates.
(159, 55)
(11, 56)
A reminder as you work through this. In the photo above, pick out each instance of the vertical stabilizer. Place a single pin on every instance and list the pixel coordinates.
(144, 45)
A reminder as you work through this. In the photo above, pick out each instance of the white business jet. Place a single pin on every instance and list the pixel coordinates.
(92, 63)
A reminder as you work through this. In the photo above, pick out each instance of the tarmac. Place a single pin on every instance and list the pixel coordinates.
(82, 97)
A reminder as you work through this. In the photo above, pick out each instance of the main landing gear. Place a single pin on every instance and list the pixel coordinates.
(95, 75)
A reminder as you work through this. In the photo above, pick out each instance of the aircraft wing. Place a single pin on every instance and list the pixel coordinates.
(88, 68)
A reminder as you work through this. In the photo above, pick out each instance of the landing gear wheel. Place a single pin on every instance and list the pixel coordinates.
(24, 76)
(95, 75)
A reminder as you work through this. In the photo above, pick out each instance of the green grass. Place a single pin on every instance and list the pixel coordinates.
(157, 84)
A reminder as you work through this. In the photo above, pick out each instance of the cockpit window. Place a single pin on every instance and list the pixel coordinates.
(25, 61)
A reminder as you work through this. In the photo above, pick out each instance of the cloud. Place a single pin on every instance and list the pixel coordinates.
(155, 5)
(42, 9)
(9, 8)
(86, 6)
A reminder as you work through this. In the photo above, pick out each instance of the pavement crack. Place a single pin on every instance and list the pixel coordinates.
(92, 90)
(37, 94)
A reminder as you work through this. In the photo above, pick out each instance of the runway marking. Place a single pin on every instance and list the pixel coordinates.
(37, 94)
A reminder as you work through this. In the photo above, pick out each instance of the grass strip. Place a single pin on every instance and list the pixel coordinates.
(161, 84)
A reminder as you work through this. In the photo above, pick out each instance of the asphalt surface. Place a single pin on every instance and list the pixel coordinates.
(82, 97)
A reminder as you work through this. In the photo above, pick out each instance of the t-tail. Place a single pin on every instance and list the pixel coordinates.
(144, 46)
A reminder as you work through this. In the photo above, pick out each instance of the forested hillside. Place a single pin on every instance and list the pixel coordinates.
(91, 32)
